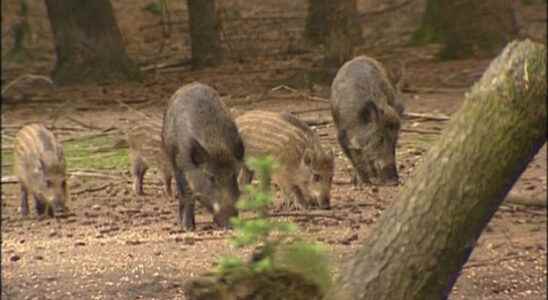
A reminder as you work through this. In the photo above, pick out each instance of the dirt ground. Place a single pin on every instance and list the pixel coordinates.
(115, 245)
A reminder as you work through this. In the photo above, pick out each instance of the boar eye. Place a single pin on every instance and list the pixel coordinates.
(64, 183)
(211, 178)
(49, 183)
(316, 178)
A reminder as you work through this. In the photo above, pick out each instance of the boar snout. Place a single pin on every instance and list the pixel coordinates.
(387, 174)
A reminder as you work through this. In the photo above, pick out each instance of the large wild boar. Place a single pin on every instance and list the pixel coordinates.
(366, 110)
(40, 168)
(205, 151)
(305, 169)
(145, 149)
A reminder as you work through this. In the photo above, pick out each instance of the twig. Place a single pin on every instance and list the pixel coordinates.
(421, 131)
(298, 112)
(426, 90)
(342, 182)
(92, 189)
(88, 136)
(9, 179)
(394, 7)
(317, 122)
(438, 117)
(515, 198)
(24, 77)
(95, 175)
(315, 98)
(312, 215)
(83, 124)
(166, 65)
(493, 261)
(121, 103)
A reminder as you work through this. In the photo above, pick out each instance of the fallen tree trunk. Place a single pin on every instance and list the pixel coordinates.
(419, 245)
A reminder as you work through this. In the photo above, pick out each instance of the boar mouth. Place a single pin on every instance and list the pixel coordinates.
(374, 174)
(387, 175)
(222, 219)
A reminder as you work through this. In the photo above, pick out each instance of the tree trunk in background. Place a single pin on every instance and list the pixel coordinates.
(467, 28)
(315, 29)
(420, 244)
(344, 33)
(88, 43)
(204, 33)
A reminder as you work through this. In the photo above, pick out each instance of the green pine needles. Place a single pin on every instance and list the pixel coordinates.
(276, 243)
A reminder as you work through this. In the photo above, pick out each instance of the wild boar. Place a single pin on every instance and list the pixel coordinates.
(366, 110)
(145, 149)
(305, 169)
(40, 168)
(205, 152)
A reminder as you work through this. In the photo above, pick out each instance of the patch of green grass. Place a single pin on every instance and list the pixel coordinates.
(83, 154)
(7, 162)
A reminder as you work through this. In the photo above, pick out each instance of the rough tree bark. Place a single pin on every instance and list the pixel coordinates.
(204, 33)
(344, 32)
(88, 43)
(420, 244)
(315, 29)
(468, 27)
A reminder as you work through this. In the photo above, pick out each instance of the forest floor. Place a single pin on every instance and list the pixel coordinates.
(115, 245)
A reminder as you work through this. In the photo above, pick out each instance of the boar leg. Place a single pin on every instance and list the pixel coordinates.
(186, 203)
(355, 178)
(293, 198)
(166, 178)
(246, 175)
(49, 210)
(24, 201)
(139, 168)
(40, 206)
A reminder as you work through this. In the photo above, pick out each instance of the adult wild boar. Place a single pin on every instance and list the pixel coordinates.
(205, 152)
(366, 110)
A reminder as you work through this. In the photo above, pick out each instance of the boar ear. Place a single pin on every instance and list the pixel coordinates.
(198, 154)
(369, 112)
(307, 157)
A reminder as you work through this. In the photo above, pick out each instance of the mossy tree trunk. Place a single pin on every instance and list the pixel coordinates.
(344, 32)
(420, 244)
(88, 43)
(467, 28)
(204, 33)
(316, 21)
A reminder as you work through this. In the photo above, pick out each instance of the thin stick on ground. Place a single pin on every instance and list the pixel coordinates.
(438, 117)
(494, 261)
(421, 131)
(297, 214)
(26, 77)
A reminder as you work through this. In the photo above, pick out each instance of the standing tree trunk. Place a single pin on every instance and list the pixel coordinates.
(204, 33)
(88, 43)
(344, 33)
(420, 244)
(468, 27)
(315, 29)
